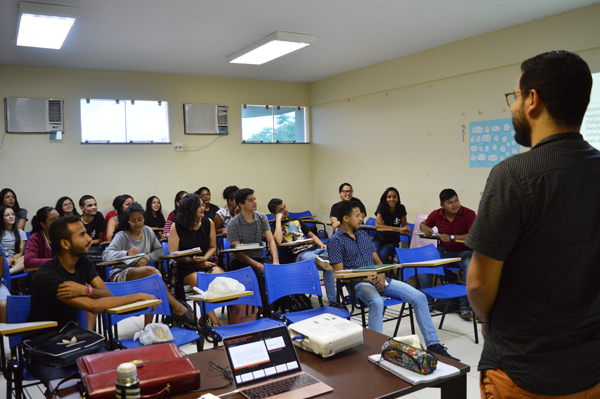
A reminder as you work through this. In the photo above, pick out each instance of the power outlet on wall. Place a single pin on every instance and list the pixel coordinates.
(178, 147)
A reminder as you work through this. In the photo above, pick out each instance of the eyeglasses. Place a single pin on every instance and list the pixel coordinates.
(512, 97)
(347, 191)
(205, 195)
(67, 203)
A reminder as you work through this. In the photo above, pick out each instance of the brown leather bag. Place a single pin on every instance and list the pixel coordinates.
(162, 371)
(242, 313)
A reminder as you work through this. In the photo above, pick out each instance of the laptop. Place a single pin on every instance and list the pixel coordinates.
(264, 364)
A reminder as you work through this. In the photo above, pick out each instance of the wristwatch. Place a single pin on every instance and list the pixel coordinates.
(452, 237)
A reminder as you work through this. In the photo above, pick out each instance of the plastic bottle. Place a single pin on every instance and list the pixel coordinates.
(128, 384)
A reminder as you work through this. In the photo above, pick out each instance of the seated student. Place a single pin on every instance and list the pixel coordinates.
(350, 248)
(13, 240)
(286, 230)
(224, 215)
(390, 214)
(190, 230)
(454, 223)
(210, 210)
(38, 247)
(133, 237)
(120, 204)
(346, 194)
(248, 227)
(66, 207)
(4, 292)
(9, 198)
(171, 217)
(154, 216)
(92, 219)
(66, 283)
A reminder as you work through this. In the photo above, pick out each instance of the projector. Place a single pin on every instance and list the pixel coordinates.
(326, 334)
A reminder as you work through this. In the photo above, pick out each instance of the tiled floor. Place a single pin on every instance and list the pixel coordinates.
(457, 335)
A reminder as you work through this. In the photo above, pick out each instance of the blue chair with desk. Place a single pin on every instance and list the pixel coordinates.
(309, 220)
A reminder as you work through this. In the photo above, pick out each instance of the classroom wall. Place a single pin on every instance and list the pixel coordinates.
(40, 171)
(400, 123)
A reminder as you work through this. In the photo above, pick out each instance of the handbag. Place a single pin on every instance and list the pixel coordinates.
(162, 370)
(62, 348)
(409, 357)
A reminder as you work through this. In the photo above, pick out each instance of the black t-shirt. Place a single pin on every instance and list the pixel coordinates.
(212, 212)
(293, 230)
(334, 207)
(96, 227)
(390, 219)
(45, 306)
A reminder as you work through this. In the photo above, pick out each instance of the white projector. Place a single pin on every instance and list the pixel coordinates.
(326, 334)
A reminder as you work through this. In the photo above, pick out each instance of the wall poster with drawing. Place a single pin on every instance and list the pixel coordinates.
(491, 142)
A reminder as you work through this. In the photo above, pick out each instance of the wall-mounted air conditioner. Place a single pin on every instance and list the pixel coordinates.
(33, 115)
(205, 119)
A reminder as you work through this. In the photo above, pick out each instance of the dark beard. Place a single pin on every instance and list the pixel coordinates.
(522, 131)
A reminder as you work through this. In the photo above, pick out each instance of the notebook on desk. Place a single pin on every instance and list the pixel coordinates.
(264, 364)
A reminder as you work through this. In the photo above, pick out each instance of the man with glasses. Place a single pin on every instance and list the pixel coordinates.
(533, 282)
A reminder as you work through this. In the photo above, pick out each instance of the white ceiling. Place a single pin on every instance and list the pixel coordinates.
(194, 37)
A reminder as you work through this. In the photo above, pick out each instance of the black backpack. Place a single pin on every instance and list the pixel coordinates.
(292, 303)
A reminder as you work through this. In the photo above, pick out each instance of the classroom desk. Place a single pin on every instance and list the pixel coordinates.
(435, 237)
(175, 255)
(427, 263)
(134, 306)
(349, 373)
(239, 249)
(295, 243)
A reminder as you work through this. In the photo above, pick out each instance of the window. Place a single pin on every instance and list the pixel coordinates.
(274, 124)
(124, 121)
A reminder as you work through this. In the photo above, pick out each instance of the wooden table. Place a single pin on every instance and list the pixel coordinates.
(175, 255)
(134, 306)
(295, 243)
(7, 329)
(240, 249)
(427, 263)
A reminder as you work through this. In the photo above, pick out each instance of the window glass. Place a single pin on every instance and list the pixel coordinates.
(273, 124)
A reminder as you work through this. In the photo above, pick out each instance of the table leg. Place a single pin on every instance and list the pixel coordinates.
(455, 388)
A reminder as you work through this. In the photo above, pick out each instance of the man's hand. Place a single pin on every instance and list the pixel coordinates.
(323, 246)
(132, 251)
(142, 262)
(71, 289)
(378, 281)
(147, 297)
(279, 216)
(445, 238)
(427, 230)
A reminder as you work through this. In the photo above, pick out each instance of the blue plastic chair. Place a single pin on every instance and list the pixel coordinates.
(149, 285)
(371, 222)
(298, 278)
(6, 276)
(322, 233)
(443, 291)
(248, 279)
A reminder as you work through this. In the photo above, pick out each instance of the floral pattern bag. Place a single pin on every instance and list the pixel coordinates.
(409, 357)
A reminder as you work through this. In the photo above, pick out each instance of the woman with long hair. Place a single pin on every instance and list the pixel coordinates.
(154, 216)
(13, 240)
(66, 207)
(390, 214)
(39, 250)
(224, 215)
(133, 237)
(171, 217)
(9, 198)
(346, 194)
(190, 230)
(120, 205)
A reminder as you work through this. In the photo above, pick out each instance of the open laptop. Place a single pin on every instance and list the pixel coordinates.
(264, 364)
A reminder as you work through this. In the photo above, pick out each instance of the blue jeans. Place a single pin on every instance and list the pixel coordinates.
(465, 261)
(367, 293)
(385, 252)
(327, 274)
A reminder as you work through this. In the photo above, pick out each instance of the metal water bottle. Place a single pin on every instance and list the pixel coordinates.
(128, 384)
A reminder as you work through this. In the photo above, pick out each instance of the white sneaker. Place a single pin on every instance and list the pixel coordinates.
(323, 261)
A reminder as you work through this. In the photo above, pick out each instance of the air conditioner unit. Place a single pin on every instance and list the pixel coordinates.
(33, 115)
(205, 119)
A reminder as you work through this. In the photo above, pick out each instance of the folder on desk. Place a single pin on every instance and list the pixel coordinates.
(371, 268)
(443, 370)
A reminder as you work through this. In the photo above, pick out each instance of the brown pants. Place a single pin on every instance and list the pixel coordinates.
(495, 384)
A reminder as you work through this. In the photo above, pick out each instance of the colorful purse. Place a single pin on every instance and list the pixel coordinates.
(409, 357)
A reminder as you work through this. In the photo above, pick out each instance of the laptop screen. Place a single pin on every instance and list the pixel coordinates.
(262, 355)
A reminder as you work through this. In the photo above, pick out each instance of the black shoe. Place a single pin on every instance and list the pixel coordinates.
(466, 314)
(441, 350)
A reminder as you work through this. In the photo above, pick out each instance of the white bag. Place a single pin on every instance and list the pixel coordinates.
(154, 333)
(220, 287)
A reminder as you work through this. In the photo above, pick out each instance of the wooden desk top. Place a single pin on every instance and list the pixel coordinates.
(295, 243)
(34, 269)
(197, 298)
(19, 328)
(434, 237)
(430, 263)
(223, 251)
(350, 372)
(132, 307)
(176, 255)
(120, 260)
(348, 274)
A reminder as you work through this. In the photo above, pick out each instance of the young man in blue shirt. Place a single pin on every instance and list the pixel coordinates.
(351, 248)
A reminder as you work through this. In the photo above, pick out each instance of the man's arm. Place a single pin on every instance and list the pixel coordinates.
(71, 289)
(242, 257)
(317, 240)
(278, 231)
(272, 246)
(483, 279)
(100, 305)
(425, 229)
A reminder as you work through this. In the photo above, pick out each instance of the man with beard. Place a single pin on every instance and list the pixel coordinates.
(66, 283)
(532, 282)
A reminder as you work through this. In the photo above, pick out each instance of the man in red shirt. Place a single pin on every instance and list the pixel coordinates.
(453, 222)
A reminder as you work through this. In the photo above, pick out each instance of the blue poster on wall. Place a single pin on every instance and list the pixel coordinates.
(491, 142)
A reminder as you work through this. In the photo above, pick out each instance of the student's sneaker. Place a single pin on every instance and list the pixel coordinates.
(441, 350)
(323, 261)
(466, 314)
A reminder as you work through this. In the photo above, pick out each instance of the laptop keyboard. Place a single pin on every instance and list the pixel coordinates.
(281, 386)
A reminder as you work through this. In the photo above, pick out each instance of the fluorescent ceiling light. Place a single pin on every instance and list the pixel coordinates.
(273, 46)
(44, 25)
